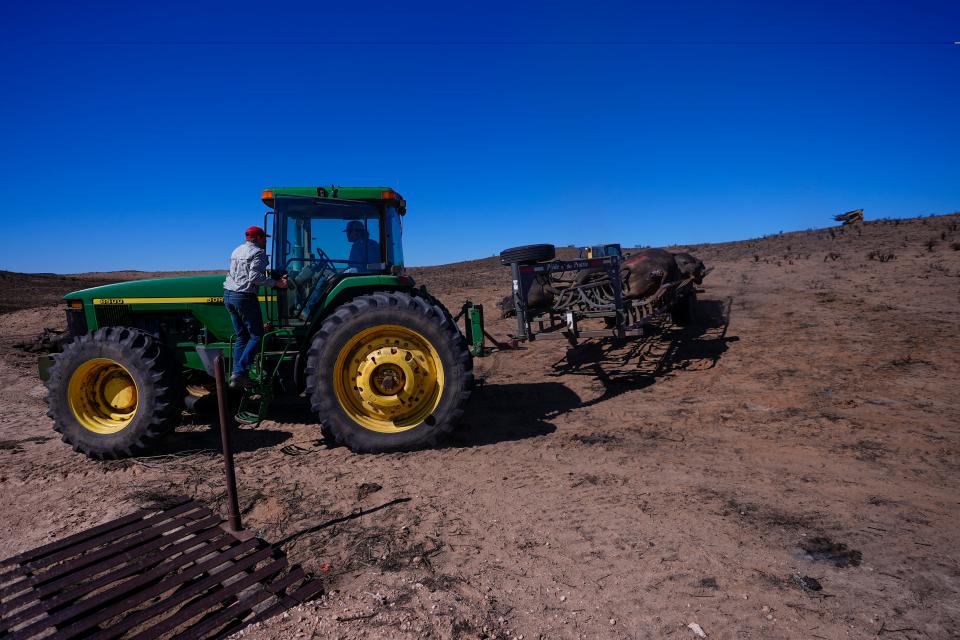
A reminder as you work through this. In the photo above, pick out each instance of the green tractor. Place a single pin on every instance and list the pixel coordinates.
(382, 362)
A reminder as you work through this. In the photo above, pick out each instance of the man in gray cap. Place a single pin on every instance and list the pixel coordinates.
(365, 250)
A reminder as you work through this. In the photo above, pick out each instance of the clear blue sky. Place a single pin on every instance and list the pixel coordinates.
(139, 135)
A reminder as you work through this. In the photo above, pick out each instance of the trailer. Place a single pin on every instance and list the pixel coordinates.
(585, 297)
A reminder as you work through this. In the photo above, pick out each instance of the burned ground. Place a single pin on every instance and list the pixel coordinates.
(804, 435)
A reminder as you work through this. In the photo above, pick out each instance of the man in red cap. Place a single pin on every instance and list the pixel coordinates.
(248, 272)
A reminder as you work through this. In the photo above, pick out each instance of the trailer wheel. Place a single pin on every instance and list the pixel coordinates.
(388, 372)
(528, 254)
(114, 392)
(683, 311)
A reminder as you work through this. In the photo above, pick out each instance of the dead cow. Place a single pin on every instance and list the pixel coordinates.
(646, 270)
(690, 267)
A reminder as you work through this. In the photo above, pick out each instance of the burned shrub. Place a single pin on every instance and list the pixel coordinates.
(882, 256)
(823, 549)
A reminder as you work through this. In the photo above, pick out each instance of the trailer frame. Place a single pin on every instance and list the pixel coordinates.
(600, 295)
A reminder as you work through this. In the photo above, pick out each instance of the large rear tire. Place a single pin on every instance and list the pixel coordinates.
(388, 371)
(114, 393)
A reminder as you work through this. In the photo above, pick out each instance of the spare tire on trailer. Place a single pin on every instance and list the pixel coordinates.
(388, 371)
(115, 392)
(528, 254)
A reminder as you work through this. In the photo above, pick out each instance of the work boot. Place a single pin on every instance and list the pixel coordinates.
(240, 381)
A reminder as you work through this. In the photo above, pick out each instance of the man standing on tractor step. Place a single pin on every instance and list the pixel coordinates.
(248, 272)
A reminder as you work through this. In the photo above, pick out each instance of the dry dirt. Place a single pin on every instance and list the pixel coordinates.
(602, 492)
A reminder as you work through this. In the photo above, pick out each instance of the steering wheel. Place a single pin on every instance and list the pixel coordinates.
(326, 259)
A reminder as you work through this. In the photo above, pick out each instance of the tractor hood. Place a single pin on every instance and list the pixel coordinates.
(174, 290)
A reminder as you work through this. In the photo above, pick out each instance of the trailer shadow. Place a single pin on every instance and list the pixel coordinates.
(505, 412)
(636, 363)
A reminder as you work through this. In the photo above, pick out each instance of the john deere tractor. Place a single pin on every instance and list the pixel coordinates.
(382, 362)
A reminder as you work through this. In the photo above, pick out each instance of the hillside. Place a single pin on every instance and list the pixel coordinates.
(806, 434)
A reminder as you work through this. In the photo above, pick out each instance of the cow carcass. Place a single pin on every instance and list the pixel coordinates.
(645, 271)
(690, 267)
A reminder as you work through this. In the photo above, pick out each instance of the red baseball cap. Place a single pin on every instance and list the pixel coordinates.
(255, 231)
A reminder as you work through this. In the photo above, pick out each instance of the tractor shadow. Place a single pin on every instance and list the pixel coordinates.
(204, 436)
(507, 412)
(495, 413)
(635, 363)
(518, 411)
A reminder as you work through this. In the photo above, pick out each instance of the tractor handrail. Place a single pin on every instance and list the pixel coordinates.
(263, 347)
(286, 347)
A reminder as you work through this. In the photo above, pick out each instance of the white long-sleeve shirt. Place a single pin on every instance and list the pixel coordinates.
(248, 269)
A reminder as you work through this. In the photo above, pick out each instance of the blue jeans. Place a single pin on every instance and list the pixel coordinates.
(244, 311)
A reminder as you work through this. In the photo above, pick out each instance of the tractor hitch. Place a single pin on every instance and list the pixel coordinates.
(477, 334)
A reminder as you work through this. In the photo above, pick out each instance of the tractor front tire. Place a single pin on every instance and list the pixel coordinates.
(388, 371)
(114, 393)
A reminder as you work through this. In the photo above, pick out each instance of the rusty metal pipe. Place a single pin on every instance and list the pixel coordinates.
(233, 521)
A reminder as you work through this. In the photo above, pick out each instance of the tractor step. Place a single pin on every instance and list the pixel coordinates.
(254, 405)
(247, 417)
(255, 402)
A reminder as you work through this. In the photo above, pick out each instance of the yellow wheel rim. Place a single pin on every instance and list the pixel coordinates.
(388, 378)
(102, 396)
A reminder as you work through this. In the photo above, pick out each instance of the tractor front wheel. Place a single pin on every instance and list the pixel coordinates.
(388, 372)
(114, 392)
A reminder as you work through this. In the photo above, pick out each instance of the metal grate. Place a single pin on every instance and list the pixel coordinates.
(113, 315)
(171, 573)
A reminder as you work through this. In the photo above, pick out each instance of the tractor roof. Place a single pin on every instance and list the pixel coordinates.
(333, 191)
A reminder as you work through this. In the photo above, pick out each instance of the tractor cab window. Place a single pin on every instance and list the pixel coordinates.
(318, 239)
(394, 241)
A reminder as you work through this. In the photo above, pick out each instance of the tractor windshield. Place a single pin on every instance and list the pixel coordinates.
(319, 238)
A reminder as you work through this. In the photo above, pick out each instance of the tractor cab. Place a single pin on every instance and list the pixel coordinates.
(321, 236)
